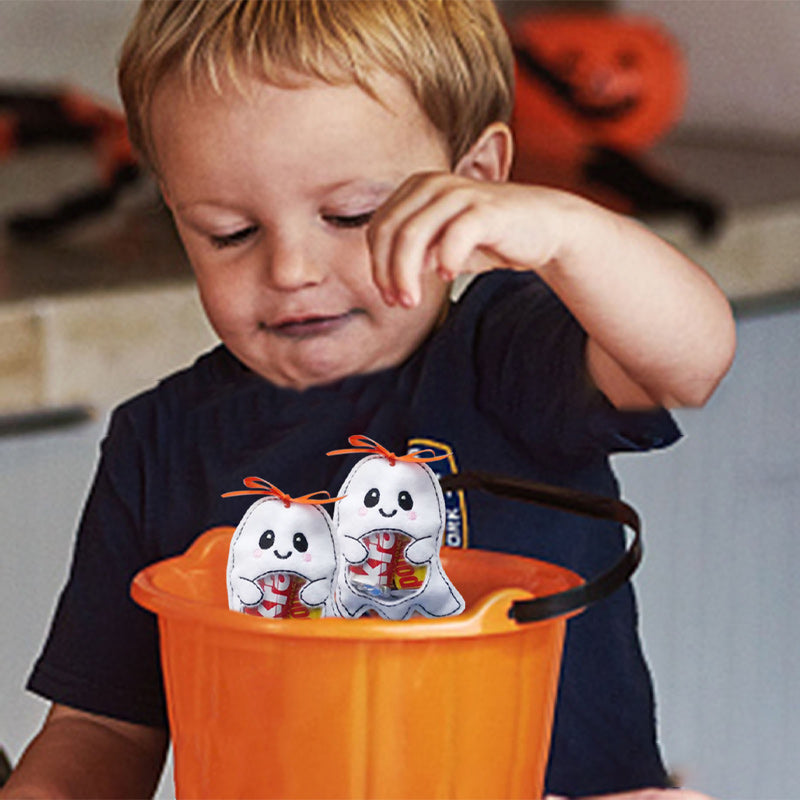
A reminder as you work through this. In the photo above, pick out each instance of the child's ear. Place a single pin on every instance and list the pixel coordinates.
(489, 158)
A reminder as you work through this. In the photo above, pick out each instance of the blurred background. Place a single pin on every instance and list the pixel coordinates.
(96, 303)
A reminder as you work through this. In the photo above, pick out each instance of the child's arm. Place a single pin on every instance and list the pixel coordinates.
(660, 330)
(77, 754)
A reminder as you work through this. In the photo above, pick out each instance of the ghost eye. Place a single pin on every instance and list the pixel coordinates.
(405, 501)
(267, 540)
(300, 543)
(372, 498)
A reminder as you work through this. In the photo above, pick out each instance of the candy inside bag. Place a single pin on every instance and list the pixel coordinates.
(385, 572)
(389, 524)
(282, 558)
(281, 598)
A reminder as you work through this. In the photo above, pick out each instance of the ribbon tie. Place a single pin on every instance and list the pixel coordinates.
(363, 444)
(260, 486)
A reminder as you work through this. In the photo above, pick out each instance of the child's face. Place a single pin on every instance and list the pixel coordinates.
(271, 196)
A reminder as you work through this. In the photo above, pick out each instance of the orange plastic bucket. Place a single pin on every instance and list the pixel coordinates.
(367, 708)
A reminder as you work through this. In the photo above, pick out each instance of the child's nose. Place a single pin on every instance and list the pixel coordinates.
(293, 266)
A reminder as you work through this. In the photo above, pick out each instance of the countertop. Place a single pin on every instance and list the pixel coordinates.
(94, 315)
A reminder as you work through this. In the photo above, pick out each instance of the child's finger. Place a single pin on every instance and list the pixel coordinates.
(465, 245)
(415, 245)
(391, 221)
(410, 244)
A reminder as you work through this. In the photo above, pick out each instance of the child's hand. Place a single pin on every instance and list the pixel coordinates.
(660, 332)
(441, 222)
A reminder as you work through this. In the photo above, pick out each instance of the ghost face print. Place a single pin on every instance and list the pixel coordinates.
(401, 496)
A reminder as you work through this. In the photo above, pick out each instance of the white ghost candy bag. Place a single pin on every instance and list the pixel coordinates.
(389, 527)
(283, 556)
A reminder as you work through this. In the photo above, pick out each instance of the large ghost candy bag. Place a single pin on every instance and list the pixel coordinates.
(282, 557)
(389, 527)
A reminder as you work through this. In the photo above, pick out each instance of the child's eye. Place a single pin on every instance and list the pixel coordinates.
(345, 221)
(232, 239)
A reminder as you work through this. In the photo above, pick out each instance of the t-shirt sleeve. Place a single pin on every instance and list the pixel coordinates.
(101, 654)
(530, 354)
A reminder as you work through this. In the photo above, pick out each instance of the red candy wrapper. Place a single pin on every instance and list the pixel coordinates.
(282, 598)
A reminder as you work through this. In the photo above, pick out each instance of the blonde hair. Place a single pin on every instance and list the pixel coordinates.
(453, 54)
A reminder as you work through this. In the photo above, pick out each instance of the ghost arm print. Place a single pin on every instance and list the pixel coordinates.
(421, 551)
(246, 591)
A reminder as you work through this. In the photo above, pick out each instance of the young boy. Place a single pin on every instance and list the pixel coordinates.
(331, 167)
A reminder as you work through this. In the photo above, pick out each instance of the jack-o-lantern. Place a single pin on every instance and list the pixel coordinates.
(593, 92)
(594, 80)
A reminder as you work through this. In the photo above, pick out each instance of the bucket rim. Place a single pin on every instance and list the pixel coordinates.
(490, 617)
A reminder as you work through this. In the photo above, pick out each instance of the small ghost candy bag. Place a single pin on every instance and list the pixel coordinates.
(389, 523)
(283, 556)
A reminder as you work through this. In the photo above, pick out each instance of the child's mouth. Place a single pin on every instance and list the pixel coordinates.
(305, 327)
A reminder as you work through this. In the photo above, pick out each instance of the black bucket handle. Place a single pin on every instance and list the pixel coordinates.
(572, 501)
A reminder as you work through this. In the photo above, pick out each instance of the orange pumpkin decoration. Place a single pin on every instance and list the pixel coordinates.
(593, 92)
(594, 80)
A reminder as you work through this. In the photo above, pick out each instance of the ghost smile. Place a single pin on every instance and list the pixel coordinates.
(281, 556)
(384, 514)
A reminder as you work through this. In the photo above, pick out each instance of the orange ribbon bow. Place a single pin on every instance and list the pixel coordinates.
(363, 444)
(260, 486)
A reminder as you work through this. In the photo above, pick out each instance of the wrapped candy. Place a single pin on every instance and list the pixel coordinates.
(389, 525)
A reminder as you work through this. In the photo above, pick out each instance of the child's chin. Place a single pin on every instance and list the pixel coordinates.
(320, 361)
(303, 376)
(325, 374)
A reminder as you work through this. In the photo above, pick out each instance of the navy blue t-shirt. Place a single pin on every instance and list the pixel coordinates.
(502, 383)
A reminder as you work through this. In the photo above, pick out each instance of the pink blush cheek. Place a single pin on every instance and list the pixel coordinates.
(412, 515)
(257, 553)
(307, 558)
(362, 512)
